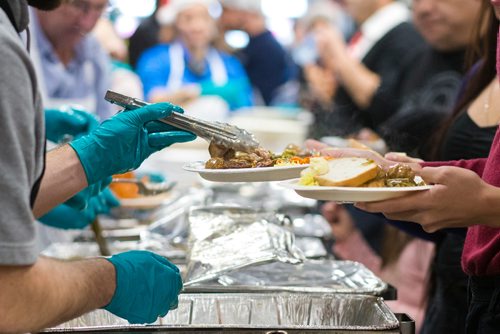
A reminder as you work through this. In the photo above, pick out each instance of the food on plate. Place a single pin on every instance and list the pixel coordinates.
(318, 166)
(227, 158)
(348, 172)
(356, 172)
(125, 190)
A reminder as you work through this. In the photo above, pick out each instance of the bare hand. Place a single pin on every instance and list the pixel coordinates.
(322, 83)
(315, 145)
(339, 219)
(459, 198)
(180, 97)
(330, 43)
(401, 157)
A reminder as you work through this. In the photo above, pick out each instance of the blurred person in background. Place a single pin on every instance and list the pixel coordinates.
(431, 89)
(402, 261)
(191, 67)
(264, 59)
(75, 71)
(431, 86)
(166, 17)
(72, 66)
(145, 36)
(123, 79)
(467, 133)
(357, 84)
(317, 83)
(320, 15)
(364, 75)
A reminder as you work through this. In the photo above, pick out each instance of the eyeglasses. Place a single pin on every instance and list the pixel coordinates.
(86, 8)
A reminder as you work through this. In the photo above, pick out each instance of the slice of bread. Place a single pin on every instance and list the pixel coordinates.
(348, 172)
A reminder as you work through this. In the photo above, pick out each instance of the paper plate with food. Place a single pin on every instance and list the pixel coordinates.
(258, 165)
(140, 193)
(354, 180)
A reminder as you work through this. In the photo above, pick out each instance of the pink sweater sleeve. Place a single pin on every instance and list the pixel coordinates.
(355, 248)
(408, 274)
(476, 165)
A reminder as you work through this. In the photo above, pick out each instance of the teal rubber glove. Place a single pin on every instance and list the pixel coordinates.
(152, 177)
(81, 200)
(65, 217)
(124, 141)
(147, 287)
(68, 122)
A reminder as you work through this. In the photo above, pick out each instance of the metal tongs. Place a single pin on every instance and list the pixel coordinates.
(221, 133)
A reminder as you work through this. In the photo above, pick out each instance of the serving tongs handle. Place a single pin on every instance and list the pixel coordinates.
(200, 128)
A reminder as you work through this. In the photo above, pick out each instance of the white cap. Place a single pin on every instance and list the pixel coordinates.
(327, 10)
(165, 15)
(246, 5)
(168, 13)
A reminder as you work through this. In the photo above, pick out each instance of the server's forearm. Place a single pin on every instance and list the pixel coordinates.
(51, 292)
(64, 177)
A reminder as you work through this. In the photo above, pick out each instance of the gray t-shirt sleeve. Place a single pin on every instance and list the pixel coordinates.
(21, 155)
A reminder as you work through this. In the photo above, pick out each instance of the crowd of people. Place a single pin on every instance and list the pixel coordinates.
(422, 78)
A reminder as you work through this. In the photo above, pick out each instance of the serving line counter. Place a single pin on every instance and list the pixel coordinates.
(254, 256)
(243, 270)
(259, 313)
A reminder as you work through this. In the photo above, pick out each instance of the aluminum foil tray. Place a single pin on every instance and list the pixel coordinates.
(261, 311)
(223, 239)
(312, 276)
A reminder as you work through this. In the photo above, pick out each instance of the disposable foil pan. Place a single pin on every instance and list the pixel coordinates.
(312, 276)
(312, 247)
(224, 239)
(262, 311)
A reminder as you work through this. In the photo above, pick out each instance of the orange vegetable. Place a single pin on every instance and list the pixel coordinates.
(125, 190)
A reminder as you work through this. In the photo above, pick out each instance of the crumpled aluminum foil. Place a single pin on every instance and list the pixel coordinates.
(312, 276)
(170, 225)
(313, 248)
(225, 238)
(261, 311)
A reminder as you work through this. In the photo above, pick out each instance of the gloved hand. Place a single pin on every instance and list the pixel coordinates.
(65, 217)
(152, 177)
(147, 286)
(81, 200)
(68, 121)
(124, 141)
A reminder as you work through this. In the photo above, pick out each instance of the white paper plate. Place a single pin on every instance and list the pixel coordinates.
(349, 194)
(145, 202)
(260, 174)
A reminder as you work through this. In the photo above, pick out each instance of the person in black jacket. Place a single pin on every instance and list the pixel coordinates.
(264, 58)
(369, 69)
(146, 36)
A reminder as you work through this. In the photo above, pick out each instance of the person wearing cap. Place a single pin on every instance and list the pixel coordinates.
(191, 65)
(264, 59)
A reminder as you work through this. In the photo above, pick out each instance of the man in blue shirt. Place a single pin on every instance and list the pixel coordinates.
(72, 66)
(264, 59)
